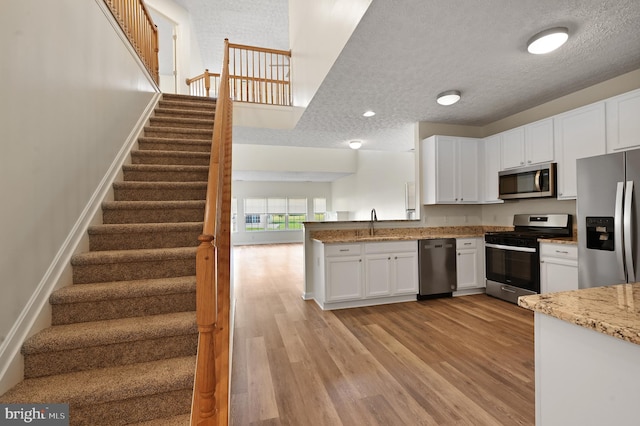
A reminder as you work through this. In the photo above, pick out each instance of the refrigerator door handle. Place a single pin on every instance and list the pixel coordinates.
(617, 229)
(628, 234)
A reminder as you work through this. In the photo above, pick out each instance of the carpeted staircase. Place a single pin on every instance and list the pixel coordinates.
(123, 342)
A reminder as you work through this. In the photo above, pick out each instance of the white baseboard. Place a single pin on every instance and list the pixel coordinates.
(36, 315)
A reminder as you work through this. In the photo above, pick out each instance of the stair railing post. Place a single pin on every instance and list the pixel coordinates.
(206, 317)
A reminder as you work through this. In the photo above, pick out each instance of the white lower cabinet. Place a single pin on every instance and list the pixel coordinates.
(361, 274)
(391, 268)
(470, 263)
(558, 267)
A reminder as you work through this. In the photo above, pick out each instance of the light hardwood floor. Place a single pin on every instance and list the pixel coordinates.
(455, 361)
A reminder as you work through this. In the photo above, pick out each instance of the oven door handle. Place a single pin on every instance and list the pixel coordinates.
(511, 248)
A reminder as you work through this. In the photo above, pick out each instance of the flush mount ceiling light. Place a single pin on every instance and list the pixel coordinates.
(369, 114)
(449, 97)
(548, 40)
(355, 144)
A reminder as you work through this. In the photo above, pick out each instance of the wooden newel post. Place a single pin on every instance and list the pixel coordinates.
(207, 82)
(204, 401)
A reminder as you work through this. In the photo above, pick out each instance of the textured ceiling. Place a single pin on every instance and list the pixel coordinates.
(403, 53)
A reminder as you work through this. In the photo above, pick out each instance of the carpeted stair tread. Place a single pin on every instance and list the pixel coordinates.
(166, 144)
(179, 132)
(131, 256)
(146, 205)
(128, 228)
(100, 333)
(183, 420)
(205, 113)
(170, 157)
(133, 236)
(159, 191)
(96, 292)
(106, 385)
(193, 123)
(164, 168)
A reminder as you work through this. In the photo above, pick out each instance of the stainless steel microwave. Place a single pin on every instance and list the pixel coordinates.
(528, 182)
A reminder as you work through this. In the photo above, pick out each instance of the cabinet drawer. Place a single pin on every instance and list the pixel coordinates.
(562, 251)
(391, 247)
(466, 243)
(342, 249)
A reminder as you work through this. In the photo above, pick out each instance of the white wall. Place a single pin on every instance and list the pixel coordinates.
(378, 183)
(309, 190)
(72, 92)
(293, 159)
(318, 31)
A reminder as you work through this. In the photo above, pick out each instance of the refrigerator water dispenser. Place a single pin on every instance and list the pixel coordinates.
(600, 234)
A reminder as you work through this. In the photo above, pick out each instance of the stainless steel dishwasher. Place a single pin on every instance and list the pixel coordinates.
(437, 266)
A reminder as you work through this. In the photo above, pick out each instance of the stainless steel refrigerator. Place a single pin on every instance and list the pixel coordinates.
(607, 210)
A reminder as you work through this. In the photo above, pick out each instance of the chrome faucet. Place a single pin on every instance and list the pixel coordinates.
(374, 218)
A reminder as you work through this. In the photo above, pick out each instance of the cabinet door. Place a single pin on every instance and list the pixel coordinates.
(467, 268)
(405, 273)
(468, 182)
(538, 141)
(492, 165)
(513, 148)
(579, 133)
(447, 170)
(623, 121)
(558, 275)
(343, 278)
(378, 275)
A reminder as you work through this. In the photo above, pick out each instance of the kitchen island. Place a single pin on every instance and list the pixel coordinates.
(587, 345)
(335, 253)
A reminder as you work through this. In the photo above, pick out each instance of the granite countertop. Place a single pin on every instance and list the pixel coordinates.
(402, 234)
(560, 240)
(612, 310)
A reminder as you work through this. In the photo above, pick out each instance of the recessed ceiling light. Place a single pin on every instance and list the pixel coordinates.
(369, 114)
(449, 97)
(355, 144)
(548, 40)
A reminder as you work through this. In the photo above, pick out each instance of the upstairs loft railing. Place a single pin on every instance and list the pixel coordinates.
(136, 22)
(213, 274)
(256, 74)
(205, 84)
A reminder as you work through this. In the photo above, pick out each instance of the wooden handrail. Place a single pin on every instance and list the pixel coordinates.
(201, 85)
(135, 20)
(213, 273)
(258, 75)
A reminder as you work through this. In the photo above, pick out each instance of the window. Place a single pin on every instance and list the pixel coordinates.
(297, 212)
(319, 209)
(255, 210)
(274, 214)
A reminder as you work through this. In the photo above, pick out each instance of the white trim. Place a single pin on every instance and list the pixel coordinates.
(36, 314)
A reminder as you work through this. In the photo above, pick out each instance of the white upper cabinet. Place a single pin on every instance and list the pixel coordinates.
(492, 165)
(450, 170)
(623, 121)
(579, 133)
(527, 145)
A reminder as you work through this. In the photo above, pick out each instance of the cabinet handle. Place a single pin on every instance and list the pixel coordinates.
(521, 163)
(388, 258)
(542, 261)
(344, 249)
(359, 260)
(459, 254)
(529, 161)
(467, 244)
(562, 252)
(396, 258)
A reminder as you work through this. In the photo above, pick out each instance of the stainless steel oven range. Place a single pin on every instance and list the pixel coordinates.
(513, 258)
